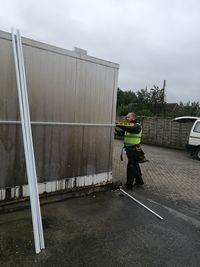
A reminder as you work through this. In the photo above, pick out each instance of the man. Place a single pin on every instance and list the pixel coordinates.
(132, 138)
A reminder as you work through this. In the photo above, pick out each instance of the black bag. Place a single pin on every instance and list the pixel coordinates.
(140, 154)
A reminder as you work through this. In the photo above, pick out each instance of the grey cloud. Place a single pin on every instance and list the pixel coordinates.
(152, 40)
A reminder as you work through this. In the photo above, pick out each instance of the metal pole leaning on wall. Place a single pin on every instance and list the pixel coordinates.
(33, 210)
(27, 140)
(25, 96)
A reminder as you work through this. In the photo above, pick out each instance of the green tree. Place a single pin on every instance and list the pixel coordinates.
(157, 100)
(143, 98)
(125, 97)
(124, 109)
(188, 109)
(144, 102)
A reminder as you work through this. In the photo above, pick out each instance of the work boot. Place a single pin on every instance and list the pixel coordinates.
(140, 184)
(128, 187)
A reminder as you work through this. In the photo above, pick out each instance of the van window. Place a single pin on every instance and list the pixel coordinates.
(197, 127)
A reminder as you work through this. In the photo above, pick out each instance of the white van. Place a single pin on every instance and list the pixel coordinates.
(194, 137)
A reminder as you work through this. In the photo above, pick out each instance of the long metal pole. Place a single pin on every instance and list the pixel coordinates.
(31, 185)
(31, 144)
(61, 123)
(154, 213)
(27, 158)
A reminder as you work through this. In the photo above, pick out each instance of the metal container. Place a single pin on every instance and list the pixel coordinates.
(63, 86)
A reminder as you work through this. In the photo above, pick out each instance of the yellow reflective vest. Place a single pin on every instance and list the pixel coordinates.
(132, 138)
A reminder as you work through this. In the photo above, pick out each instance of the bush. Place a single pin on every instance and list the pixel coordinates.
(124, 109)
(144, 112)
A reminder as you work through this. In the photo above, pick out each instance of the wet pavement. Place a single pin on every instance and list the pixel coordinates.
(106, 229)
(171, 177)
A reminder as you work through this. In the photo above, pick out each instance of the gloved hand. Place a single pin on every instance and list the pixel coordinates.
(119, 131)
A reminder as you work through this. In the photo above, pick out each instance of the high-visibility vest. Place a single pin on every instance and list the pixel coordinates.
(132, 138)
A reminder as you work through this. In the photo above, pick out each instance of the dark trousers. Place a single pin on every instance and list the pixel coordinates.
(133, 168)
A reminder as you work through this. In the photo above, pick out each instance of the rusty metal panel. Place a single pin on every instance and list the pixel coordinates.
(60, 152)
(63, 86)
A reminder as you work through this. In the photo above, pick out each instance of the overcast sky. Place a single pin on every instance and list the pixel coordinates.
(152, 40)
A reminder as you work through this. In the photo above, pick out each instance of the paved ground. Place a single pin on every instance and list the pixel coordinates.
(172, 177)
(108, 230)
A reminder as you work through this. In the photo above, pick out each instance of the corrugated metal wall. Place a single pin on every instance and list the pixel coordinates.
(63, 86)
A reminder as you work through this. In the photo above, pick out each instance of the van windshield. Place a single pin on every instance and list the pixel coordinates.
(197, 127)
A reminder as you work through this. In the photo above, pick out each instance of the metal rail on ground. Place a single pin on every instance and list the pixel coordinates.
(140, 203)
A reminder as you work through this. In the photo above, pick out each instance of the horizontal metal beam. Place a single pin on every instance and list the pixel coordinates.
(60, 123)
(10, 122)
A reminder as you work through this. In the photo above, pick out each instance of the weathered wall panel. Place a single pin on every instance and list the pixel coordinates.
(63, 86)
(8, 86)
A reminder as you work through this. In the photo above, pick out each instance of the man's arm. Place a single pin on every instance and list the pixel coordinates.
(131, 129)
(119, 131)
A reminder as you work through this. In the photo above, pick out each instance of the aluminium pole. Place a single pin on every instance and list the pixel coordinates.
(27, 158)
(31, 181)
(154, 213)
(32, 188)
(30, 143)
(33, 210)
(48, 123)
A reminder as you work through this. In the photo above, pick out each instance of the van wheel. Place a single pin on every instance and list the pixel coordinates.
(197, 153)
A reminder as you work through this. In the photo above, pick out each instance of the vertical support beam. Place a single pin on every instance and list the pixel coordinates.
(113, 117)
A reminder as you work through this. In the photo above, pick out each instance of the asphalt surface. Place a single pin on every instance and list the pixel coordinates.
(107, 229)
